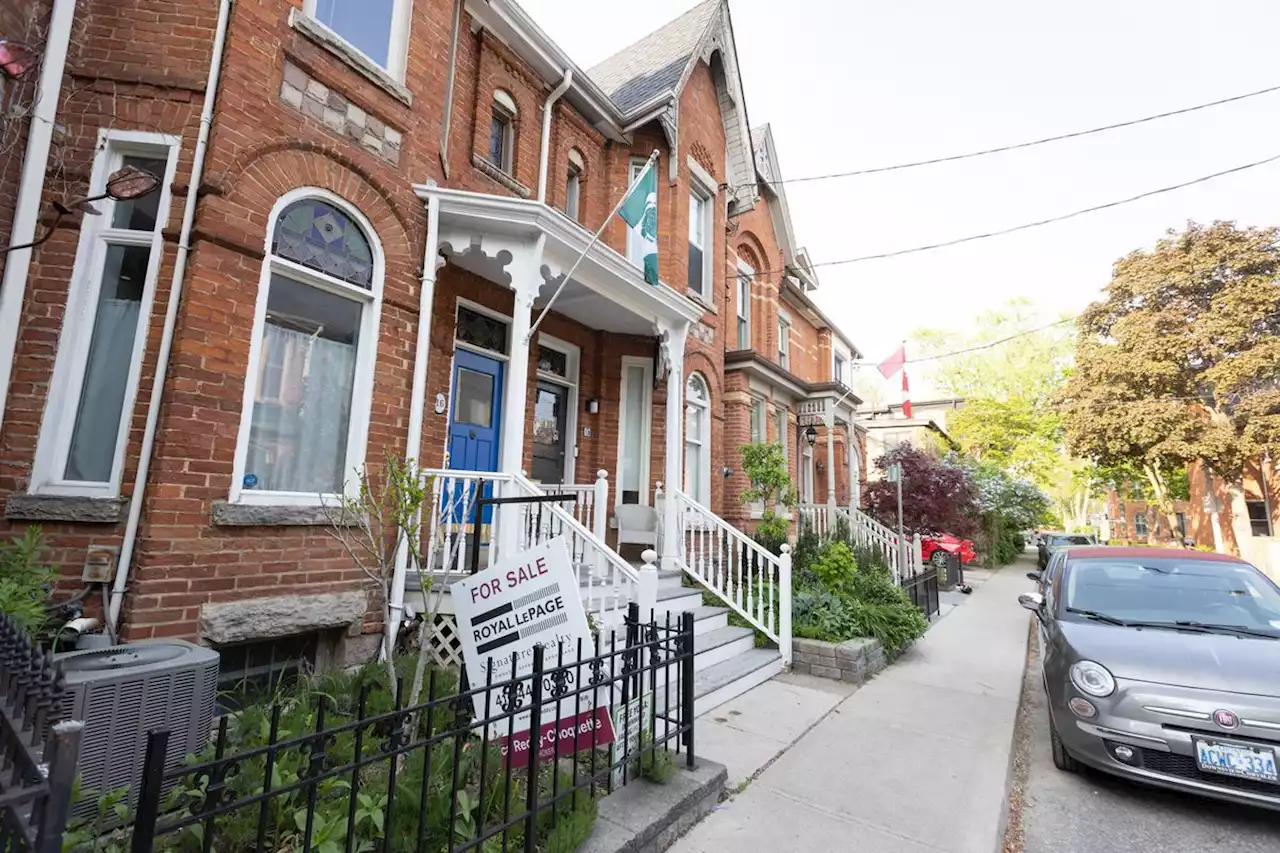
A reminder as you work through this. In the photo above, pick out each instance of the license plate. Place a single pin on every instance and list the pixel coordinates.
(1243, 762)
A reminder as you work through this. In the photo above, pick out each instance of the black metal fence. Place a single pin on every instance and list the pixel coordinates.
(38, 748)
(922, 589)
(342, 777)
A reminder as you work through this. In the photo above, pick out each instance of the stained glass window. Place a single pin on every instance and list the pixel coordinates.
(321, 237)
(481, 330)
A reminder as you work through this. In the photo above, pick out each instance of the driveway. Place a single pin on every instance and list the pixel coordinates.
(1092, 812)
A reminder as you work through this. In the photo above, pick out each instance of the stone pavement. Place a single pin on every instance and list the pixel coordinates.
(915, 760)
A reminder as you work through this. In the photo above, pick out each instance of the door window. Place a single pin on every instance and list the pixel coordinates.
(550, 413)
(475, 398)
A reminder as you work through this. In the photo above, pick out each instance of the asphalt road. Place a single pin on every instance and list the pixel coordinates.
(1092, 812)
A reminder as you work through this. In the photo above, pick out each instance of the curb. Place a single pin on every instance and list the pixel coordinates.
(648, 818)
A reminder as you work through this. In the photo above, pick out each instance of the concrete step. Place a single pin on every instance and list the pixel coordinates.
(727, 680)
(720, 645)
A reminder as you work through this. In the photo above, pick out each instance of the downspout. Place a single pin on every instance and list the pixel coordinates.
(35, 161)
(447, 123)
(170, 319)
(417, 405)
(545, 156)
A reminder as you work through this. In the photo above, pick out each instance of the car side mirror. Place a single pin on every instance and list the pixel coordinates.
(1035, 576)
(1032, 601)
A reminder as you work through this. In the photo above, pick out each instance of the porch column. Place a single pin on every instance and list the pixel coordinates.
(831, 462)
(672, 344)
(526, 281)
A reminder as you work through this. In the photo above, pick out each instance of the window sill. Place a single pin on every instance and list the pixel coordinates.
(227, 514)
(335, 44)
(500, 176)
(20, 507)
(700, 299)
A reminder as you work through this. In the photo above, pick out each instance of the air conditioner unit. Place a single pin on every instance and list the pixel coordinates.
(121, 693)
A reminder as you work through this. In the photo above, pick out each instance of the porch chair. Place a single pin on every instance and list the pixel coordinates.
(638, 525)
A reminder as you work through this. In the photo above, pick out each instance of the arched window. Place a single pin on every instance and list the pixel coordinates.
(309, 387)
(697, 439)
(502, 132)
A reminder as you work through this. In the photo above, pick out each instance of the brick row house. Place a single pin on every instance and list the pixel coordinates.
(363, 208)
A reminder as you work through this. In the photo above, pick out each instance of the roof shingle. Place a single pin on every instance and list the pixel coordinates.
(655, 64)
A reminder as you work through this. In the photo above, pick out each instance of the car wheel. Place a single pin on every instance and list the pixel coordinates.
(1061, 758)
(939, 559)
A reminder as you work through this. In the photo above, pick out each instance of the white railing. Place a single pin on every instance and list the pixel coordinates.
(608, 582)
(584, 507)
(744, 576)
(904, 558)
(449, 525)
(816, 517)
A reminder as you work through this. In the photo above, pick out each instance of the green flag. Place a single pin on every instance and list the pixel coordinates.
(640, 211)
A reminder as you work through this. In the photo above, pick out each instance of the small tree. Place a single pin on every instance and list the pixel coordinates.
(766, 467)
(937, 496)
(374, 522)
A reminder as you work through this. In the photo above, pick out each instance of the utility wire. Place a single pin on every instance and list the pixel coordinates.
(1030, 144)
(966, 350)
(1028, 225)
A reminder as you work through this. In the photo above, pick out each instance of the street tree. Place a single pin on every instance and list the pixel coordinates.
(1180, 362)
(937, 495)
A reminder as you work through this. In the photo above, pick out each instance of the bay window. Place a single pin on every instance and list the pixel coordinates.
(309, 388)
(95, 379)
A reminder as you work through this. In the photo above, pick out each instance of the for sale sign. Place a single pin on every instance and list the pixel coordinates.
(503, 613)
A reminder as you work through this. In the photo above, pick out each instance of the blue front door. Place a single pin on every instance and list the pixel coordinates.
(474, 424)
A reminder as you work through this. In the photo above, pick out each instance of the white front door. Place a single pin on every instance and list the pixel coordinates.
(635, 430)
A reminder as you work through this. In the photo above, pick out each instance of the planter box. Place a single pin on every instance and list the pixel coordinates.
(853, 661)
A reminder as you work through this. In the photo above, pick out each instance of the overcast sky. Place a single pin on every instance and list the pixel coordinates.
(850, 84)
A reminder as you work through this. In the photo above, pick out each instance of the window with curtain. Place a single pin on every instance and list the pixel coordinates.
(632, 476)
(757, 421)
(744, 307)
(377, 28)
(699, 230)
(784, 344)
(95, 380)
(310, 385)
(697, 440)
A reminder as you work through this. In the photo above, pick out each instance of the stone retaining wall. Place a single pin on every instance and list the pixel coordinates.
(853, 660)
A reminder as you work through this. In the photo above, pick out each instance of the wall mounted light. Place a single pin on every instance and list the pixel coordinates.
(728, 472)
(593, 406)
(811, 435)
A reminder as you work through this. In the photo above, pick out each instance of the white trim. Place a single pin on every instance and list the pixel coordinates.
(757, 409)
(704, 440)
(646, 427)
(366, 349)
(706, 198)
(66, 383)
(784, 341)
(808, 473)
(746, 274)
(397, 40)
(706, 183)
(576, 160)
(503, 98)
(573, 357)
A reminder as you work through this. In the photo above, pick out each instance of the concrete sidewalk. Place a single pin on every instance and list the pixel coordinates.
(916, 760)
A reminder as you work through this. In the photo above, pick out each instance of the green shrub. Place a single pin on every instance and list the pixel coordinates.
(805, 553)
(25, 580)
(771, 532)
(835, 566)
(894, 625)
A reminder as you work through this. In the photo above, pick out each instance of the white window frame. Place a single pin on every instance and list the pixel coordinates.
(704, 442)
(366, 352)
(783, 421)
(745, 276)
(784, 342)
(635, 245)
(757, 430)
(397, 41)
(65, 384)
(573, 357)
(573, 186)
(646, 427)
(704, 186)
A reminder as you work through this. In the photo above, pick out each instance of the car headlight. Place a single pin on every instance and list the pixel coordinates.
(1092, 678)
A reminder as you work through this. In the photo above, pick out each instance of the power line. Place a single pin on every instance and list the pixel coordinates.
(1019, 145)
(966, 350)
(1029, 225)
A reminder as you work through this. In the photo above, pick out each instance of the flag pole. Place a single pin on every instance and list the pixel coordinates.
(595, 238)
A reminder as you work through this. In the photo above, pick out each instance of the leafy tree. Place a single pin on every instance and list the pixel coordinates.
(766, 467)
(937, 496)
(1181, 360)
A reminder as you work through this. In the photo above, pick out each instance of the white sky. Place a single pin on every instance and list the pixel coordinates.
(852, 84)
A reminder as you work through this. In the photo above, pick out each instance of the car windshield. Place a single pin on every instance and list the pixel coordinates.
(1172, 590)
(1070, 540)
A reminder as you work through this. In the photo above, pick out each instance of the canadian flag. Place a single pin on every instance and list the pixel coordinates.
(894, 363)
(906, 397)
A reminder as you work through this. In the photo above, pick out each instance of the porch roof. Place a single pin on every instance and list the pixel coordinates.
(492, 235)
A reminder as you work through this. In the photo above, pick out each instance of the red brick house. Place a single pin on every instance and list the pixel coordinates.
(363, 208)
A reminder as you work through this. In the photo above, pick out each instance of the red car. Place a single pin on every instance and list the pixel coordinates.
(933, 549)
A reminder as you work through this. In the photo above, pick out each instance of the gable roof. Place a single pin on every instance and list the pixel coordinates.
(656, 64)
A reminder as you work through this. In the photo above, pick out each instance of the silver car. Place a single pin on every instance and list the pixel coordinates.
(1163, 666)
(1052, 543)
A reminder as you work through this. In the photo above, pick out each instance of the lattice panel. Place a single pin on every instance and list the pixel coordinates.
(443, 643)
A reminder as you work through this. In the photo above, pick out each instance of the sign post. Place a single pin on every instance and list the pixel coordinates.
(503, 613)
(894, 475)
